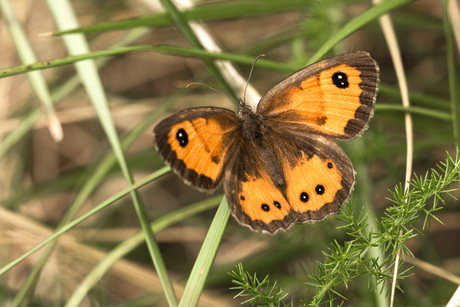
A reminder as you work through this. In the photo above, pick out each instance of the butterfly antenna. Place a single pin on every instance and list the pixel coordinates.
(250, 75)
(212, 88)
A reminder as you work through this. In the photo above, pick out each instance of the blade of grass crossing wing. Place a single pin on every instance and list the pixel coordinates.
(203, 263)
(76, 44)
(97, 176)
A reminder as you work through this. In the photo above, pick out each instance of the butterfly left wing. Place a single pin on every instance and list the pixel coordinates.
(255, 199)
(334, 97)
(197, 143)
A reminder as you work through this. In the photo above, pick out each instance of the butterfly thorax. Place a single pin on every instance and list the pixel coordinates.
(255, 132)
(251, 124)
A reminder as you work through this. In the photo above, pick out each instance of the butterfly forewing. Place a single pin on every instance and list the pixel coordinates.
(334, 97)
(197, 143)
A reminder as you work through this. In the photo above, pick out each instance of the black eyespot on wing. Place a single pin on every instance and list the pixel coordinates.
(265, 207)
(320, 189)
(182, 137)
(304, 197)
(340, 79)
(277, 204)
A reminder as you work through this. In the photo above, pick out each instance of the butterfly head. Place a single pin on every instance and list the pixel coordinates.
(244, 108)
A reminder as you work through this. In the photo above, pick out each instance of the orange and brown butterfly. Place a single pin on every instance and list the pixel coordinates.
(279, 165)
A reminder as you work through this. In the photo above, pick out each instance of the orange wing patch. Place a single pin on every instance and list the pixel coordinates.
(311, 184)
(338, 114)
(261, 200)
(323, 102)
(199, 144)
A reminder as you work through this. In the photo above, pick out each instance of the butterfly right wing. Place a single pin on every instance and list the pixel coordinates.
(334, 97)
(318, 175)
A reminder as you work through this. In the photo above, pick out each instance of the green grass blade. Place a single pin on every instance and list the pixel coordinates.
(127, 246)
(28, 121)
(452, 73)
(188, 33)
(84, 217)
(170, 50)
(215, 11)
(364, 188)
(425, 100)
(36, 78)
(76, 44)
(364, 18)
(415, 110)
(206, 256)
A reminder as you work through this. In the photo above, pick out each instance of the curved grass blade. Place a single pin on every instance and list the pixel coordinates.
(364, 18)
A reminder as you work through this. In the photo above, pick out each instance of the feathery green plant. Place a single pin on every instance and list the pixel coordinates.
(345, 262)
(257, 291)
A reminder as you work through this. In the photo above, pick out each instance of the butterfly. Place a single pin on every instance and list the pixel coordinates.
(279, 165)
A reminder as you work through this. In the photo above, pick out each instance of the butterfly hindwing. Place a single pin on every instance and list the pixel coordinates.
(256, 199)
(197, 143)
(318, 175)
(334, 97)
(316, 178)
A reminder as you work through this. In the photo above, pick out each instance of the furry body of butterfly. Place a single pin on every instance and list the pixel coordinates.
(279, 165)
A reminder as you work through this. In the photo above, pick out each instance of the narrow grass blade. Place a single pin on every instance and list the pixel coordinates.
(452, 70)
(415, 110)
(206, 256)
(170, 50)
(36, 79)
(84, 217)
(363, 187)
(76, 44)
(181, 23)
(211, 11)
(364, 18)
(28, 121)
(127, 246)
